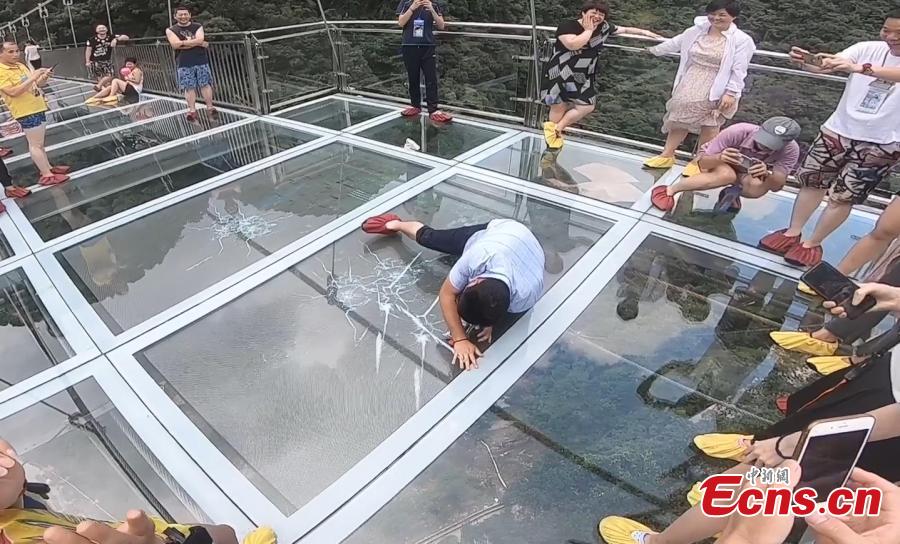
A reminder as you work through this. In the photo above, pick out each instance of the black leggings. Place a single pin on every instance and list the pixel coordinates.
(449, 241)
(5, 178)
(421, 60)
(36, 63)
(851, 330)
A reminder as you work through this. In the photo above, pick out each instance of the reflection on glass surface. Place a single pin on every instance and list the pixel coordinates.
(574, 169)
(317, 366)
(77, 128)
(142, 268)
(68, 97)
(64, 208)
(98, 150)
(601, 425)
(29, 339)
(445, 140)
(759, 217)
(335, 114)
(5, 249)
(96, 466)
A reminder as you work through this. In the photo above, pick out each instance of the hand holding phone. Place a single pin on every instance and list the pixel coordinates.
(812, 59)
(828, 452)
(830, 284)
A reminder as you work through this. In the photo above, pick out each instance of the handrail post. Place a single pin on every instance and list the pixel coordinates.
(532, 110)
(250, 62)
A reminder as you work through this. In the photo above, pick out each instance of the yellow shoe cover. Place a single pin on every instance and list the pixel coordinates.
(803, 343)
(828, 365)
(660, 162)
(806, 289)
(723, 446)
(110, 100)
(619, 530)
(692, 169)
(554, 141)
(261, 535)
(694, 495)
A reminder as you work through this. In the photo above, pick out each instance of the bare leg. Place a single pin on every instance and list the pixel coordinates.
(104, 81)
(706, 135)
(407, 228)
(694, 525)
(674, 139)
(190, 96)
(720, 176)
(207, 93)
(833, 217)
(577, 113)
(805, 205)
(35, 137)
(887, 229)
(558, 111)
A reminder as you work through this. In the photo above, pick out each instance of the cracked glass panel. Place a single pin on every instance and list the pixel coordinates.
(30, 341)
(95, 151)
(345, 346)
(79, 444)
(141, 268)
(674, 346)
(64, 208)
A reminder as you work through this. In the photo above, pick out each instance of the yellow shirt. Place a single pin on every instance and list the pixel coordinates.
(26, 103)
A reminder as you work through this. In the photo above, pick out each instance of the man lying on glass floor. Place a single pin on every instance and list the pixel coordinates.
(498, 277)
(25, 519)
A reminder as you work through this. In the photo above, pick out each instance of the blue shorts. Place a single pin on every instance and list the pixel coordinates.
(194, 77)
(32, 121)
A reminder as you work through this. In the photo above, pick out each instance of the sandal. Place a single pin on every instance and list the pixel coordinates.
(52, 179)
(376, 224)
(441, 117)
(5, 152)
(411, 111)
(778, 243)
(799, 255)
(15, 191)
(661, 199)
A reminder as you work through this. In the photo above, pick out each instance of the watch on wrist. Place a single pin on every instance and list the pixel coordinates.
(867, 69)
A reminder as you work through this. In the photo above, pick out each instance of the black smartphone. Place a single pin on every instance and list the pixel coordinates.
(828, 451)
(829, 283)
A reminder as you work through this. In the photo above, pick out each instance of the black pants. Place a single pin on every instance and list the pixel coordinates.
(418, 61)
(449, 241)
(36, 63)
(5, 178)
(851, 330)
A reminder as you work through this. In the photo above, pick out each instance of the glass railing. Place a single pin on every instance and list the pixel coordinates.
(486, 69)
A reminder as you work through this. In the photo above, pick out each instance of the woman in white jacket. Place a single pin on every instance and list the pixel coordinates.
(715, 55)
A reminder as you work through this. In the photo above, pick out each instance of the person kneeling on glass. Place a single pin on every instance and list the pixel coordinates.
(746, 159)
(499, 275)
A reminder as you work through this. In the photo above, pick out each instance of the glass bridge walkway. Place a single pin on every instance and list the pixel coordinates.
(196, 326)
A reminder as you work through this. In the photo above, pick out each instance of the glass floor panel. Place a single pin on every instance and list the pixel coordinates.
(6, 250)
(348, 351)
(576, 169)
(67, 98)
(129, 276)
(64, 208)
(759, 217)
(94, 151)
(602, 424)
(445, 140)
(76, 442)
(30, 341)
(335, 114)
(77, 128)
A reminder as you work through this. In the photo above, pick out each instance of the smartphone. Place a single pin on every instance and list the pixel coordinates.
(828, 451)
(829, 283)
(746, 163)
(812, 59)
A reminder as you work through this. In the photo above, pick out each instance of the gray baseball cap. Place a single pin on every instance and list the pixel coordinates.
(777, 132)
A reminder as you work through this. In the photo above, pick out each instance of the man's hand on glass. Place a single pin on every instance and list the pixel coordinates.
(466, 353)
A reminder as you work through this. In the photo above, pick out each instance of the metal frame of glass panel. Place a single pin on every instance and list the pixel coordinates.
(223, 471)
(389, 108)
(177, 461)
(83, 349)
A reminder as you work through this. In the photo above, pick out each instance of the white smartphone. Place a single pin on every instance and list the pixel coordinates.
(828, 452)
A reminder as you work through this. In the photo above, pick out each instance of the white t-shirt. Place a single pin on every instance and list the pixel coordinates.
(506, 251)
(31, 52)
(847, 120)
